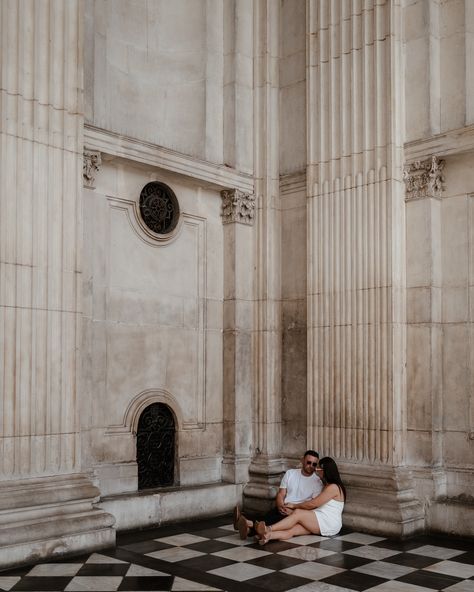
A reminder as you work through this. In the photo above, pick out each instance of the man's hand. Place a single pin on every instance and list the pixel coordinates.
(284, 510)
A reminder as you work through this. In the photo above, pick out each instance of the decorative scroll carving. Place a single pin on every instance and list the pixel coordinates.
(237, 206)
(424, 178)
(90, 167)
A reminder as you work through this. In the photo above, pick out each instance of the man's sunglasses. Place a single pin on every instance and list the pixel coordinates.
(314, 464)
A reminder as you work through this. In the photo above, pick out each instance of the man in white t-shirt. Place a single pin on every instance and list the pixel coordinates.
(297, 485)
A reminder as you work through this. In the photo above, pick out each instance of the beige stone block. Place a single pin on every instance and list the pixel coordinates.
(453, 74)
(292, 127)
(418, 447)
(292, 68)
(458, 451)
(416, 20)
(417, 88)
(419, 249)
(455, 242)
(293, 280)
(419, 376)
(214, 374)
(195, 471)
(455, 304)
(459, 181)
(214, 314)
(456, 377)
(424, 305)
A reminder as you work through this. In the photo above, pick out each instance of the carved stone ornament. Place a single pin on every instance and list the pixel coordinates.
(90, 167)
(424, 178)
(237, 206)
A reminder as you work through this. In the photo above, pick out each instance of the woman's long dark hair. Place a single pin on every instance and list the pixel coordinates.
(331, 473)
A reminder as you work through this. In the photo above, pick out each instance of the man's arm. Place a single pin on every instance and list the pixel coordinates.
(280, 501)
(328, 493)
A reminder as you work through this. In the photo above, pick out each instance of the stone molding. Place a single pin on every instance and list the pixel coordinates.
(424, 178)
(238, 206)
(445, 144)
(117, 145)
(90, 168)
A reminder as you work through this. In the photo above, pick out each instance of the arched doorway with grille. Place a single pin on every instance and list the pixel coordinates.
(156, 447)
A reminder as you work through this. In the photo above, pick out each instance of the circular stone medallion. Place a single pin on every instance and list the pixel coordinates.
(159, 207)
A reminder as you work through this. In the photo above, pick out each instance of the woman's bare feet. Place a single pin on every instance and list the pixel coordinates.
(263, 532)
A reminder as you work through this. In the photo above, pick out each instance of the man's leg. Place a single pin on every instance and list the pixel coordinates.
(273, 516)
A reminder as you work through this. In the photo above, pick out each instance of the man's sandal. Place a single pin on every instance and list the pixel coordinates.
(243, 527)
(236, 517)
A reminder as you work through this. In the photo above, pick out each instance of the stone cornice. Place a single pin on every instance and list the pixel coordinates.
(116, 145)
(452, 142)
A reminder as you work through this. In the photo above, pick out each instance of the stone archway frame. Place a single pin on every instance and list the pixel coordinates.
(136, 406)
(141, 401)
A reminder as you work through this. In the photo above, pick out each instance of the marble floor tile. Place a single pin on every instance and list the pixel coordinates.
(374, 553)
(55, 569)
(234, 539)
(306, 553)
(437, 552)
(241, 554)
(466, 586)
(312, 570)
(382, 569)
(139, 570)
(99, 583)
(307, 539)
(174, 554)
(240, 571)
(452, 568)
(182, 585)
(277, 582)
(320, 587)
(354, 580)
(180, 540)
(360, 538)
(394, 586)
(7, 582)
(98, 558)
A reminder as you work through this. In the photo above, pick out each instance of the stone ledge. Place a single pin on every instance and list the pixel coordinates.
(158, 507)
(217, 175)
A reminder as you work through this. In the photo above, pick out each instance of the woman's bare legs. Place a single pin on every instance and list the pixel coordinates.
(298, 523)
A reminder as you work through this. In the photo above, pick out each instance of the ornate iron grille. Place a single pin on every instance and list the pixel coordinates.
(155, 447)
(159, 207)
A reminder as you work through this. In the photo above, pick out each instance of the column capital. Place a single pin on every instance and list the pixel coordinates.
(237, 206)
(424, 178)
(90, 168)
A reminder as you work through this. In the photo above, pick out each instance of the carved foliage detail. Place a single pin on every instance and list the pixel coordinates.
(90, 167)
(237, 206)
(424, 178)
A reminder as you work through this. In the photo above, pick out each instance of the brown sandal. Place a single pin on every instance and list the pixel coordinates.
(236, 517)
(243, 527)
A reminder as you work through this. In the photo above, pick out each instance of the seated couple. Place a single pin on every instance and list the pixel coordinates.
(310, 501)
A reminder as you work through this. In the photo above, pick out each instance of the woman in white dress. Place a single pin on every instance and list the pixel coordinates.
(321, 515)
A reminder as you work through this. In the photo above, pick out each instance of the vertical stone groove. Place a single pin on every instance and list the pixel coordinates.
(352, 207)
(40, 162)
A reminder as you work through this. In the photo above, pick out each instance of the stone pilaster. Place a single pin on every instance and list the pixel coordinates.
(266, 466)
(41, 290)
(356, 256)
(424, 184)
(238, 217)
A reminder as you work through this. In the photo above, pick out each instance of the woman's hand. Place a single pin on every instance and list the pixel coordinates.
(290, 506)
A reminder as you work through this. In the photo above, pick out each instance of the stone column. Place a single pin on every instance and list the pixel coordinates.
(424, 184)
(356, 258)
(46, 501)
(266, 466)
(238, 213)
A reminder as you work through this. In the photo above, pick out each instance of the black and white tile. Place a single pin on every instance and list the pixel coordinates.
(209, 556)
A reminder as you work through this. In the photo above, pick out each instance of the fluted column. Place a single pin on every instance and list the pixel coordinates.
(266, 466)
(40, 293)
(356, 251)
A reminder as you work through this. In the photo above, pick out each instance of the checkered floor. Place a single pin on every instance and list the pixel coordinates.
(209, 555)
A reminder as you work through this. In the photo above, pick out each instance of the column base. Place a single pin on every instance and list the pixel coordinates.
(381, 500)
(50, 517)
(262, 488)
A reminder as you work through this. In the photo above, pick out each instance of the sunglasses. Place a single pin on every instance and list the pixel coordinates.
(314, 464)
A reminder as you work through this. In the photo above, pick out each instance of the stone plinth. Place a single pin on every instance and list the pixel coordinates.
(51, 516)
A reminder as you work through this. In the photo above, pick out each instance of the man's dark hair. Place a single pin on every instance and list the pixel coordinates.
(311, 453)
